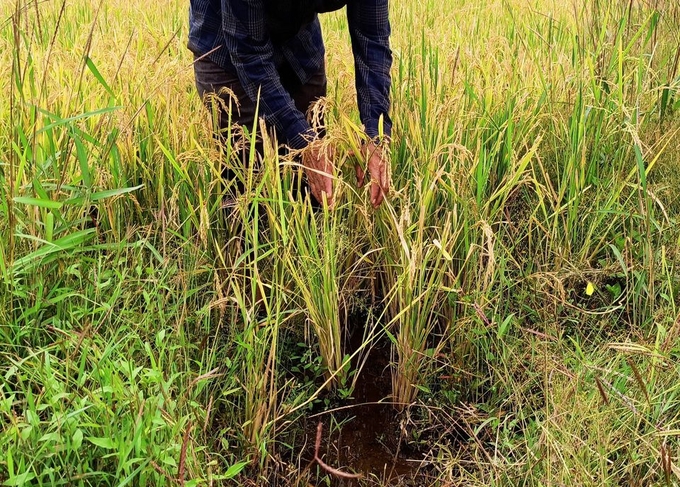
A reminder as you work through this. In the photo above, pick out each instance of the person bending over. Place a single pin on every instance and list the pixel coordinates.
(273, 49)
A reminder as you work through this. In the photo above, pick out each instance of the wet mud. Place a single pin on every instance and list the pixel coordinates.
(364, 434)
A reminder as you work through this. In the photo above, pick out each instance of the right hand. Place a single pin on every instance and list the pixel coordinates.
(377, 162)
(317, 159)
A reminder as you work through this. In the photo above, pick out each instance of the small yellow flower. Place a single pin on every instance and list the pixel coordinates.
(590, 289)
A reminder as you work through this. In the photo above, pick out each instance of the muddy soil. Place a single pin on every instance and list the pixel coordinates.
(364, 434)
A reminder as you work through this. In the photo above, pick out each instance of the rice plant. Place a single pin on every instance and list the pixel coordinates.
(155, 329)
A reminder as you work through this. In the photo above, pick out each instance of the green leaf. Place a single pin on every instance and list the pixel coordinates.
(82, 156)
(77, 439)
(63, 121)
(53, 437)
(42, 203)
(106, 443)
(133, 475)
(10, 462)
(20, 479)
(68, 242)
(503, 327)
(234, 470)
(49, 226)
(641, 167)
(109, 193)
(93, 69)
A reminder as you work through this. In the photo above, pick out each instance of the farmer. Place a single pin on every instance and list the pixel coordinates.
(273, 49)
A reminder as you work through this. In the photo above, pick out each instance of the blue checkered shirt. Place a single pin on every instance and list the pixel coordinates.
(235, 36)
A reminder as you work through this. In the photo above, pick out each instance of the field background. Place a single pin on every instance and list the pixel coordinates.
(525, 268)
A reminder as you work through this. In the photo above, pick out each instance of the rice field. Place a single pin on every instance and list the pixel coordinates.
(513, 305)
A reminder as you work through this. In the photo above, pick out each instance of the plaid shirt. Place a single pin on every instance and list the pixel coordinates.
(234, 33)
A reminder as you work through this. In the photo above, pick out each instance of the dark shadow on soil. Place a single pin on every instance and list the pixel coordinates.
(363, 435)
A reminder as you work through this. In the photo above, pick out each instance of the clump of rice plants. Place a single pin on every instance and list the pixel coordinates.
(524, 268)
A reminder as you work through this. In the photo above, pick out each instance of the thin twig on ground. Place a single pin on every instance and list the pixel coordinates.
(328, 468)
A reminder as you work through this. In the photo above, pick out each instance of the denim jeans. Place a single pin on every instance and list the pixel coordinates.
(211, 79)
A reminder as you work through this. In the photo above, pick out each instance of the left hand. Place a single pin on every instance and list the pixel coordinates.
(377, 162)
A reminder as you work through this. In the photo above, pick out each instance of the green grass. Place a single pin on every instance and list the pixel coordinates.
(524, 269)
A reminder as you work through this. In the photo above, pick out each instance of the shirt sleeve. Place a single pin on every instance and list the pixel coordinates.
(369, 29)
(252, 54)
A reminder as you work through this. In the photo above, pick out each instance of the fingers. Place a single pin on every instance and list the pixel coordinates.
(319, 170)
(360, 175)
(378, 187)
(385, 185)
(328, 179)
(376, 194)
(321, 187)
(327, 185)
(377, 167)
(318, 163)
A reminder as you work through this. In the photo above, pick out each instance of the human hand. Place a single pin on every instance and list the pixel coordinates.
(317, 160)
(377, 166)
